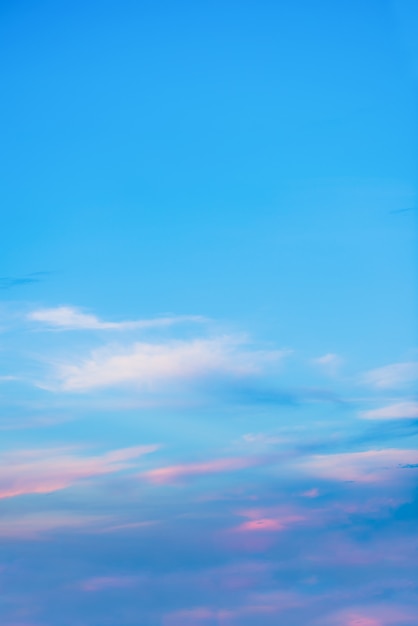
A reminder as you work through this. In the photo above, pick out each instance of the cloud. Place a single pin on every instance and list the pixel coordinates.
(71, 318)
(392, 376)
(329, 363)
(154, 366)
(129, 526)
(257, 524)
(262, 439)
(267, 519)
(401, 410)
(311, 493)
(33, 526)
(371, 616)
(365, 467)
(47, 470)
(174, 473)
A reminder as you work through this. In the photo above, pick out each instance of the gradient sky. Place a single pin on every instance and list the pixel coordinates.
(208, 358)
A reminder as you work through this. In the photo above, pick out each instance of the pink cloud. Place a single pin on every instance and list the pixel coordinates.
(48, 470)
(267, 520)
(259, 532)
(371, 616)
(268, 524)
(311, 493)
(358, 620)
(174, 473)
(261, 525)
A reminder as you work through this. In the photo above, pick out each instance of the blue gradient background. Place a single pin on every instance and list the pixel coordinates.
(254, 165)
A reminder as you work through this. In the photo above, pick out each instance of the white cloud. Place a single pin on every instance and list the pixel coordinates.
(154, 367)
(329, 363)
(401, 410)
(366, 467)
(71, 318)
(392, 376)
(261, 439)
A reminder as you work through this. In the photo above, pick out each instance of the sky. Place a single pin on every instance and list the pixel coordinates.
(208, 349)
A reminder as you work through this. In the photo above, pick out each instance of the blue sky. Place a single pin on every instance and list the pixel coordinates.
(208, 299)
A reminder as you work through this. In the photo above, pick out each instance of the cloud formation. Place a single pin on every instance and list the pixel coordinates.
(371, 616)
(267, 521)
(329, 363)
(152, 366)
(400, 410)
(174, 473)
(34, 525)
(364, 467)
(72, 318)
(392, 376)
(47, 470)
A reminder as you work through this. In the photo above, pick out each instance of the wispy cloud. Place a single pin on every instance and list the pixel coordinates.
(153, 367)
(7, 378)
(35, 525)
(174, 473)
(364, 467)
(72, 318)
(392, 376)
(48, 470)
(267, 521)
(371, 616)
(400, 410)
(329, 363)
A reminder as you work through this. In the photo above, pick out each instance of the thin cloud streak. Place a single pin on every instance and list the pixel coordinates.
(40, 471)
(364, 467)
(392, 376)
(174, 473)
(400, 410)
(37, 525)
(329, 363)
(72, 318)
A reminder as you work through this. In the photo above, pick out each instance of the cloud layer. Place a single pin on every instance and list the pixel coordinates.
(274, 502)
